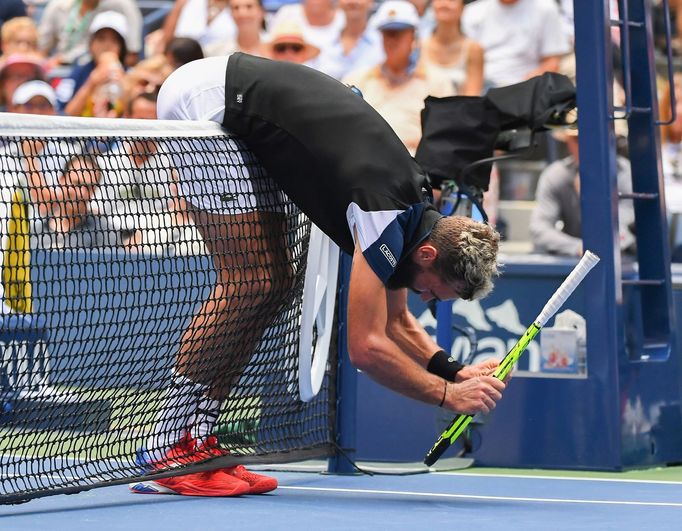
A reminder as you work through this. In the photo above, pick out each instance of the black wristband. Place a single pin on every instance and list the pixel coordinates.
(443, 365)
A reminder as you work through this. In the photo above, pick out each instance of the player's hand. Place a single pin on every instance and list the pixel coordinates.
(485, 368)
(475, 395)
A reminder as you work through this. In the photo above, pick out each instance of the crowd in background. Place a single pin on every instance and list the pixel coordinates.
(92, 58)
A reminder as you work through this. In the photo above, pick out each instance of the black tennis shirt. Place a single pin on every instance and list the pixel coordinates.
(333, 155)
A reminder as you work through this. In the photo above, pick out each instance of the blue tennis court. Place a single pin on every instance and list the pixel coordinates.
(475, 500)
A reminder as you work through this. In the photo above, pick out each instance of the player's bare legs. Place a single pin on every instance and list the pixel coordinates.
(253, 278)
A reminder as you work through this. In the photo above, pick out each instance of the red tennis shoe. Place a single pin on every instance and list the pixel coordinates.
(259, 484)
(211, 483)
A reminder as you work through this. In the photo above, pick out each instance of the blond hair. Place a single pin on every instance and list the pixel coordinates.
(10, 28)
(467, 252)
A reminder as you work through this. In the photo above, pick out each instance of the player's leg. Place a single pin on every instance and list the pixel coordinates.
(253, 278)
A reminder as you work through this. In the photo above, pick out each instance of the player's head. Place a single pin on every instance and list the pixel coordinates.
(457, 261)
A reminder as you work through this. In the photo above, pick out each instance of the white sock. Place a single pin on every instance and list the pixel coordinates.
(176, 415)
(205, 418)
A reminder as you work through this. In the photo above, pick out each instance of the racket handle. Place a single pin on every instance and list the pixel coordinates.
(587, 262)
(449, 436)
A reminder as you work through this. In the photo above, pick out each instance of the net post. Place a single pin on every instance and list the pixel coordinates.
(346, 394)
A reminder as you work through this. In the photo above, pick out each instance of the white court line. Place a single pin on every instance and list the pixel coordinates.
(561, 478)
(478, 497)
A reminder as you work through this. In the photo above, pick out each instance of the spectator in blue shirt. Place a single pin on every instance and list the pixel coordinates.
(357, 46)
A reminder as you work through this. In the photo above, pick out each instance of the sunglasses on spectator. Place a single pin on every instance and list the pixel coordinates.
(283, 47)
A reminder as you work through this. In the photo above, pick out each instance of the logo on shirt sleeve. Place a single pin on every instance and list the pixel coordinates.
(388, 254)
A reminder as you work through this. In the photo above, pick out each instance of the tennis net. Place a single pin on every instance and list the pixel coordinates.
(134, 254)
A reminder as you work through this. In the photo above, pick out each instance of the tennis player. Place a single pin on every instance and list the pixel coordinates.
(344, 167)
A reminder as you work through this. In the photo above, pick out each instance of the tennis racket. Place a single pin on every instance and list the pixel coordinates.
(460, 422)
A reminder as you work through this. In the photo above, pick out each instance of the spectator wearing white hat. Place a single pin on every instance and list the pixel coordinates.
(397, 88)
(105, 69)
(15, 70)
(34, 97)
(64, 28)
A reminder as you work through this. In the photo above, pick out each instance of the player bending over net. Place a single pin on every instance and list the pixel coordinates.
(345, 168)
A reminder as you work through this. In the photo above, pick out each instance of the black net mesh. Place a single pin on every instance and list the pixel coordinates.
(152, 294)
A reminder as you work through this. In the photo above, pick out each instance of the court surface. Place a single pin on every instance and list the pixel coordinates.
(472, 499)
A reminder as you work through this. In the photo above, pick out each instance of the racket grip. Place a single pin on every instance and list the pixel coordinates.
(435, 452)
(449, 436)
(587, 262)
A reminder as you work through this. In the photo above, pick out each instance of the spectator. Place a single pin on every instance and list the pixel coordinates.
(15, 70)
(138, 194)
(146, 77)
(71, 220)
(671, 134)
(427, 19)
(10, 9)
(38, 97)
(288, 43)
(671, 152)
(398, 87)
(448, 49)
(249, 17)
(34, 97)
(136, 183)
(320, 20)
(182, 50)
(521, 38)
(60, 213)
(357, 46)
(19, 35)
(64, 28)
(555, 225)
(99, 80)
(206, 21)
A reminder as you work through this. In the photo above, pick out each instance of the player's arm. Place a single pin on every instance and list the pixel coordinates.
(374, 352)
(404, 329)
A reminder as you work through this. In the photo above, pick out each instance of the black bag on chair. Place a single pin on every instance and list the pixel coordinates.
(459, 131)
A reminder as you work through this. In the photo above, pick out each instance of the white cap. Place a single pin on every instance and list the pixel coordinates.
(112, 20)
(396, 15)
(29, 90)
